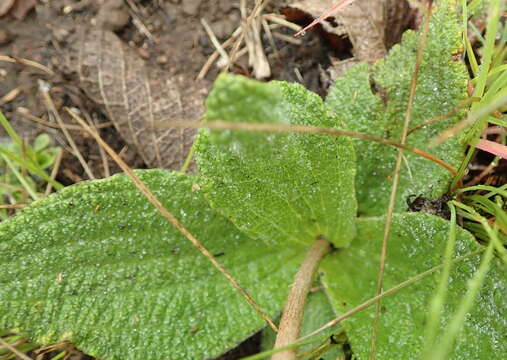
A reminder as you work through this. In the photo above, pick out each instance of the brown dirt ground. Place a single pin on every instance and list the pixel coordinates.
(178, 46)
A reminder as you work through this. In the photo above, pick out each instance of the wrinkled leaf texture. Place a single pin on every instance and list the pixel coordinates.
(98, 266)
(441, 85)
(416, 244)
(282, 188)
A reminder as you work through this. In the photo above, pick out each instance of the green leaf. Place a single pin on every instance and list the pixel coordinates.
(98, 266)
(278, 187)
(41, 142)
(417, 244)
(441, 85)
(318, 312)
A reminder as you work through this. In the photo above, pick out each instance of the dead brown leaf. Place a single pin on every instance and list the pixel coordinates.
(372, 26)
(137, 98)
(21, 8)
(5, 6)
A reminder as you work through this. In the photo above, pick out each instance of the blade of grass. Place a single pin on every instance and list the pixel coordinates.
(21, 178)
(474, 285)
(437, 303)
(493, 237)
(34, 169)
(468, 46)
(491, 30)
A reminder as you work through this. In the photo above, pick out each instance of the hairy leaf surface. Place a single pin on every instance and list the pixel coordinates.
(98, 266)
(441, 85)
(417, 244)
(278, 187)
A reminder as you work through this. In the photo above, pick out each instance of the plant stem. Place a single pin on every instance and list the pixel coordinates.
(292, 317)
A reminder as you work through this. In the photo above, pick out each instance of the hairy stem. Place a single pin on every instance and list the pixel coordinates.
(292, 317)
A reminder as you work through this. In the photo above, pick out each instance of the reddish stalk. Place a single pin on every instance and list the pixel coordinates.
(303, 129)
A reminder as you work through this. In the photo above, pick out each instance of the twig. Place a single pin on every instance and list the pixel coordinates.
(303, 129)
(262, 69)
(26, 62)
(214, 41)
(281, 21)
(213, 57)
(287, 38)
(44, 89)
(171, 218)
(136, 20)
(271, 40)
(11, 95)
(26, 115)
(396, 176)
(292, 317)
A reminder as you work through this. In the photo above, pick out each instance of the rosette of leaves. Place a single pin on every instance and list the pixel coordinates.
(98, 266)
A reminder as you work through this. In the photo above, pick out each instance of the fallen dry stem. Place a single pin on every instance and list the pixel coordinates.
(26, 62)
(52, 109)
(303, 129)
(292, 317)
(13, 206)
(396, 177)
(171, 218)
(26, 115)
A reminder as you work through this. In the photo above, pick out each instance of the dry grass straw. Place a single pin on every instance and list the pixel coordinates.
(303, 129)
(44, 90)
(248, 35)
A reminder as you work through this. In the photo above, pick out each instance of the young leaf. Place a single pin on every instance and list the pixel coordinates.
(98, 266)
(441, 85)
(278, 187)
(417, 243)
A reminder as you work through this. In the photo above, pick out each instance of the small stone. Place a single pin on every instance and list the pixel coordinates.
(143, 53)
(162, 59)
